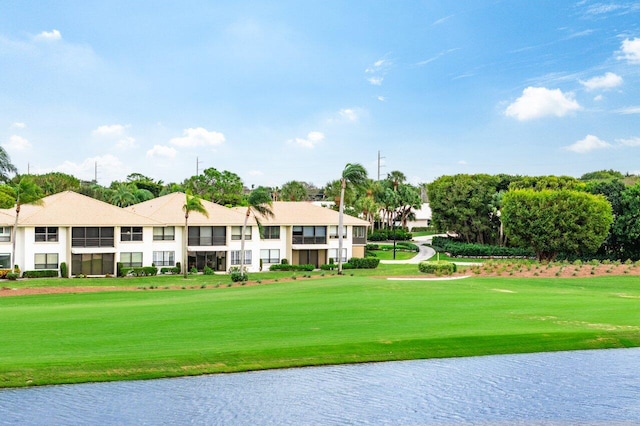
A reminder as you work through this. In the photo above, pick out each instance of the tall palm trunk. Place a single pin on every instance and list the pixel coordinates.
(343, 185)
(14, 237)
(244, 229)
(185, 239)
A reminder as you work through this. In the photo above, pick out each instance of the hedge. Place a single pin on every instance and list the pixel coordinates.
(460, 249)
(288, 267)
(440, 267)
(364, 262)
(41, 273)
(170, 270)
(144, 271)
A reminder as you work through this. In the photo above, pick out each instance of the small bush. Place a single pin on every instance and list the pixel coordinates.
(284, 262)
(208, 271)
(64, 270)
(12, 276)
(441, 267)
(364, 263)
(237, 275)
(145, 271)
(329, 267)
(193, 270)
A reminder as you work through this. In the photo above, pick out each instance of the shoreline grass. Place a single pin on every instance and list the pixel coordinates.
(73, 338)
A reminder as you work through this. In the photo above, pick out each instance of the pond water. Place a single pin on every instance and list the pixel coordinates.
(592, 387)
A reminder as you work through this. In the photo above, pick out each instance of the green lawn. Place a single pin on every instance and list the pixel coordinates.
(387, 253)
(69, 338)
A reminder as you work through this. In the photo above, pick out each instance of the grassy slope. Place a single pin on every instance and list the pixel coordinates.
(69, 338)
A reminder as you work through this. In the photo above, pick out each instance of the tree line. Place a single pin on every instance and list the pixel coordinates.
(594, 215)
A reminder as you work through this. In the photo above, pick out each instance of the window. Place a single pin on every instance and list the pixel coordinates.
(271, 232)
(270, 255)
(333, 254)
(309, 235)
(167, 233)
(235, 257)
(5, 234)
(92, 264)
(207, 235)
(46, 261)
(92, 237)
(359, 234)
(131, 259)
(5, 261)
(46, 233)
(333, 232)
(236, 232)
(131, 233)
(164, 258)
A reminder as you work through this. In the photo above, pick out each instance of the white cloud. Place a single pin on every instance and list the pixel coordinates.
(631, 50)
(18, 125)
(313, 138)
(199, 136)
(607, 81)
(256, 173)
(629, 110)
(462, 162)
(48, 36)
(162, 151)
(116, 131)
(587, 144)
(381, 98)
(16, 143)
(630, 142)
(598, 98)
(110, 130)
(537, 102)
(376, 81)
(348, 114)
(378, 70)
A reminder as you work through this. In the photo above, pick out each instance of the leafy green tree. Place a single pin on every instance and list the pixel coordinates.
(25, 191)
(354, 174)
(539, 183)
(552, 222)
(225, 188)
(192, 204)
(146, 183)
(123, 195)
(612, 190)
(294, 191)
(6, 166)
(463, 204)
(626, 227)
(259, 203)
(55, 182)
(602, 175)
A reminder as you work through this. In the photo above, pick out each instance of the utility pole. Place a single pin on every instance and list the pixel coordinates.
(379, 164)
(198, 166)
(95, 172)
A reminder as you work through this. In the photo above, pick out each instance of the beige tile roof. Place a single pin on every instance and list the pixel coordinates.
(168, 210)
(306, 213)
(72, 209)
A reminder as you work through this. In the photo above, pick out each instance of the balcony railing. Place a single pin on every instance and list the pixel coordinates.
(299, 239)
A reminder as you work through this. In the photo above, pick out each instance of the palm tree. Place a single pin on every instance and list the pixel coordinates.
(192, 204)
(123, 195)
(355, 174)
(259, 202)
(5, 165)
(26, 192)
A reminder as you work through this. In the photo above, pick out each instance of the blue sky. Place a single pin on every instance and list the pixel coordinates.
(283, 90)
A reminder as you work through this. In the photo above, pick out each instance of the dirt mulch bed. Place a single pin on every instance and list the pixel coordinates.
(549, 271)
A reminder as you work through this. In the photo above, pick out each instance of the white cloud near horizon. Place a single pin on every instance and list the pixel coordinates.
(18, 125)
(629, 142)
(589, 143)
(109, 167)
(604, 82)
(313, 138)
(537, 102)
(53, 35)
(198, 136)
(162, 152)
(629, 110)
(631, 50)
(111, 130)
(348, 114)
(16, 143)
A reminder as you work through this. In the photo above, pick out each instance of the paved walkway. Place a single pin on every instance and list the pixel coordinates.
(424, 253)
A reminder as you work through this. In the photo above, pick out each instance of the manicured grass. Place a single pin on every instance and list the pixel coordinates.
(68, 338)
(387, 253)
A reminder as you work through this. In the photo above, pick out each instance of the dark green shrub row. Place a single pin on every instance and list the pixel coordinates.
(406, 245)
(459, 249)
(144, 271)
(423, 229)
(288, 267)
(364, 262)
(440, 267)
(388, 234)
(41, 273)
(330, 266)
(170, 270)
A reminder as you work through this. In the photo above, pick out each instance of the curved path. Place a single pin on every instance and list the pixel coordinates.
(424, 253)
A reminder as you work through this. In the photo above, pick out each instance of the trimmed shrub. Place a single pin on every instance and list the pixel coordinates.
(441, 267)
(41, 273)
(237, 275)
(144, 271)
(284, 261)
(12, 276)
(64, 270)
(208, 271)
(287, 267)
(329, 267)
(170, 270)
(363, 262)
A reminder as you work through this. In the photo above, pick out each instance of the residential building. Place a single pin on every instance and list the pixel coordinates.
(92, 237)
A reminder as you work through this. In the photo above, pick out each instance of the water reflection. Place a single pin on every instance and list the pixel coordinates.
(582, 386)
